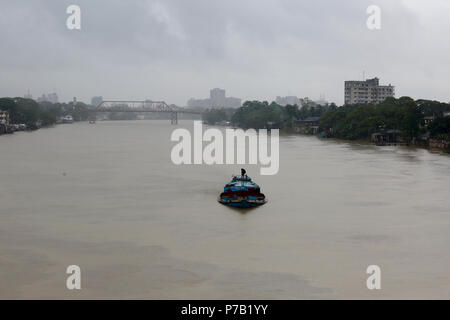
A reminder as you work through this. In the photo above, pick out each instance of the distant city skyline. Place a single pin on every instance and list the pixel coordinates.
(213, 101)
(217, 98)
(50, 97)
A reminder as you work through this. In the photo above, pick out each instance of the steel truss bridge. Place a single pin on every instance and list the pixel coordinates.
(140, 107)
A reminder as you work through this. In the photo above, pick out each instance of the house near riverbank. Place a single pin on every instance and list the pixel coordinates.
(387, 137)
(426, 121)
(5, 127)
(272, 125)
(438, 144)
(309, 125)
(4, 117)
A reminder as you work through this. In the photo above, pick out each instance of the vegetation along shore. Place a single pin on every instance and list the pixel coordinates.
(402, 121)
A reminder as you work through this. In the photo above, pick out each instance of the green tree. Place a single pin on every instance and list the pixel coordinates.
(213, 116)
(440, 127)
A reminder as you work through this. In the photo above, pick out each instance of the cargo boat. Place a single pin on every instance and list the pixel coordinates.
(242, 192)
(67, 119)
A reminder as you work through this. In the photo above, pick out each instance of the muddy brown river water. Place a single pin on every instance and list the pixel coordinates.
(107, 198)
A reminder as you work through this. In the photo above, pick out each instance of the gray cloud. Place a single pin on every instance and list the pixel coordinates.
(177, 49)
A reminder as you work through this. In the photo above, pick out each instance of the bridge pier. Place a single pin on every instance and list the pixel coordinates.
(92, 117)
(174, 118)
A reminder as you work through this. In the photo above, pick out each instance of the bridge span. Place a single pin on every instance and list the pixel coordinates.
(139, 106)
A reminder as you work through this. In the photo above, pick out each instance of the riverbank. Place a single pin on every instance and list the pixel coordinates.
(6, 129)
(402, 121)
(27, 114)
(435, 146)
(432, 145)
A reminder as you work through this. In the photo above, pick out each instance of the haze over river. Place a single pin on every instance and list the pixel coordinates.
(107, 197)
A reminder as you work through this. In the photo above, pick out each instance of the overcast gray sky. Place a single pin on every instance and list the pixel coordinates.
(255, 49)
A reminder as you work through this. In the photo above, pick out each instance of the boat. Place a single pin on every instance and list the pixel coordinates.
(67, 119)
(242, 192)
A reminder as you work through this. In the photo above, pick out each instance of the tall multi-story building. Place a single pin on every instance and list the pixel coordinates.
(217, 99)
(368, 91)
(51, 97)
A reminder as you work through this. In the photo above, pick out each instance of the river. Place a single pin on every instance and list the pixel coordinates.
(107, 197)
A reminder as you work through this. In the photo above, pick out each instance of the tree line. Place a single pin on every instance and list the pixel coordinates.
(257, 114)
(405, 114)
(350, 122)
(34, 114)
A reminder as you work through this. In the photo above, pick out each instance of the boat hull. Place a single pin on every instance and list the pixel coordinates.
(242, 192)
(243, 204)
